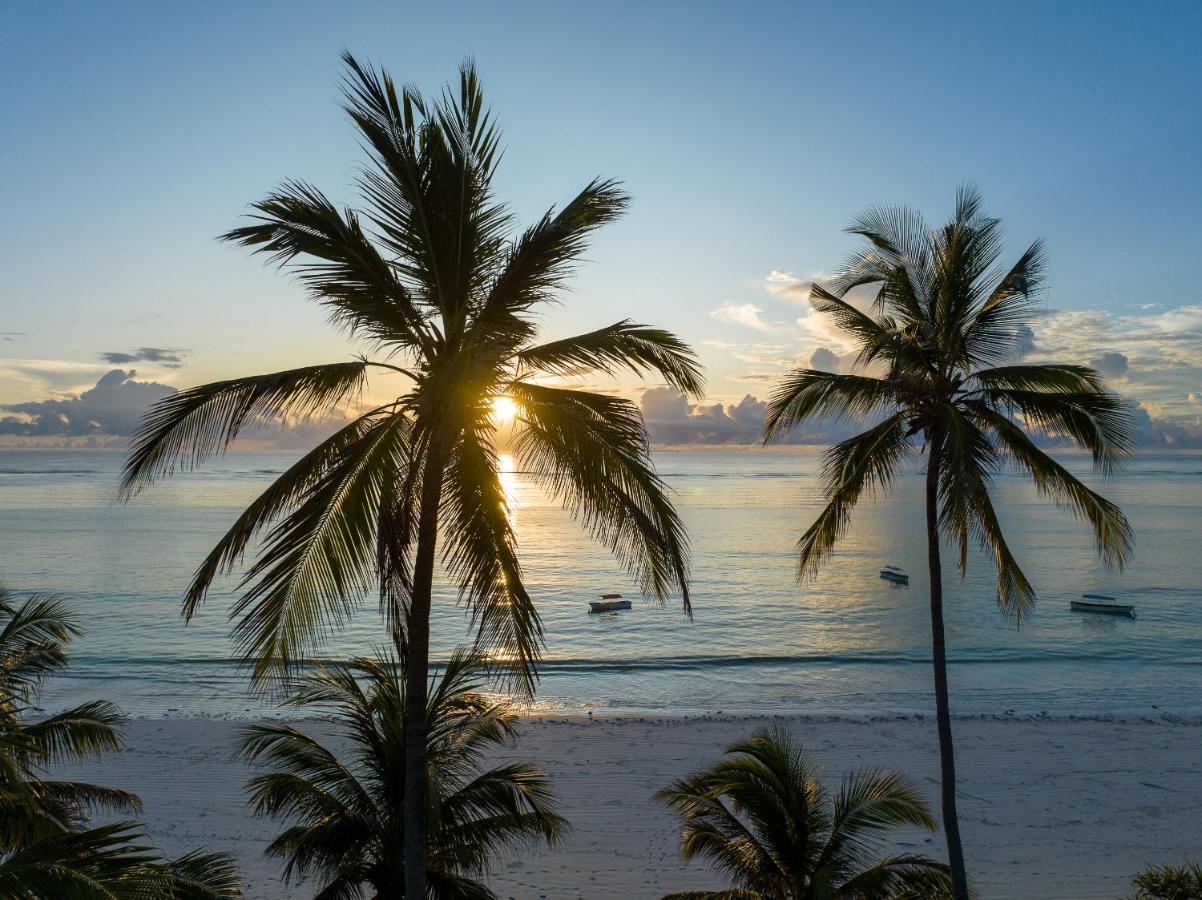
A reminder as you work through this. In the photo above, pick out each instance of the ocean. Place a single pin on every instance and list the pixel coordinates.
(847, 643)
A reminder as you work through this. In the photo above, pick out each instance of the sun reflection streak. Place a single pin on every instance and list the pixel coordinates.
(510, 484)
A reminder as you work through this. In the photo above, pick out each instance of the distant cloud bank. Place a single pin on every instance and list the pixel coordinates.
(108, 413)
(111, 408)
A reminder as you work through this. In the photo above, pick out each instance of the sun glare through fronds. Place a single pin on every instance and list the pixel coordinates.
(504, 410)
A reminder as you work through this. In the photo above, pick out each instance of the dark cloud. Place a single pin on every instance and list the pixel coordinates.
(825, 360)
(1024, 339)
(1174, 434)
(110, 411)
(1111, 364)
(112, 407)
(168, 357)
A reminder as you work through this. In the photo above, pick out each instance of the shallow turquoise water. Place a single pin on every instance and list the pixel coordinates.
(847, 642)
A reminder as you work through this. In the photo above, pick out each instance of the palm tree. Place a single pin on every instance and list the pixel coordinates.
(46, 846)
(428, 276)
(34, 636)
(347, 808)
(934, 352)
(763, 818)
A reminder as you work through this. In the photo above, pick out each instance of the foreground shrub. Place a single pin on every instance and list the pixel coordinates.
(763, 819)
(1182, 882)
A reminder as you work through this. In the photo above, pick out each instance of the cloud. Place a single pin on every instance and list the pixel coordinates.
(168, 357)
(1154, 432)
(112, 407)
(1162, 349)
(746, 314)
(107, 414)
(672, 420)
(1111, 364)
(825, 360)
(1024, 339)
(785, 283)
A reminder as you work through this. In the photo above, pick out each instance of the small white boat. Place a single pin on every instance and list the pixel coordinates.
(1100, 603)
(895, 575)
(608, 603)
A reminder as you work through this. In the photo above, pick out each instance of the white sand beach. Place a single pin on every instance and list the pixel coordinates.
(1050, 808)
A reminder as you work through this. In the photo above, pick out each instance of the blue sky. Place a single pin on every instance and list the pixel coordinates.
(748, 135)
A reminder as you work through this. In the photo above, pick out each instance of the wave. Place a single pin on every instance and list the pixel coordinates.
(115, 665)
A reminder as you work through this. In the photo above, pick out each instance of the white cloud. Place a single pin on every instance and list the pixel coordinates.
(1162, 350)
(745, 314)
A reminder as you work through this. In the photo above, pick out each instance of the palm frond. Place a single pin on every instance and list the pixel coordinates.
(1045, 378)
(541, 259)
(289, 490)
(429, 186)
(990, 336)
(591, 451)
(1100, 422)
(104, 863)
(83, 732)
(189, 426)
(339, 265)
(203, 875)
(863, 463)
(319, 561)
(1114, 537)
(623, 345)
(33, 642)
(480, 553)
(812, 393)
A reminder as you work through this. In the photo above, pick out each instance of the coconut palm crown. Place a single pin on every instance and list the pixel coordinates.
(431, 279)
(346, 804)
(936, 369)
(764, 820)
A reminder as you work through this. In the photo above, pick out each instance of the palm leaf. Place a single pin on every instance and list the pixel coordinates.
(623, 345)
(591, 451)
(189, 426)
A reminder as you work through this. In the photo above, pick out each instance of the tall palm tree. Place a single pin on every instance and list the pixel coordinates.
(46, 846)
(763, 818)
(936, 363)
(429, 276)
(347, 808)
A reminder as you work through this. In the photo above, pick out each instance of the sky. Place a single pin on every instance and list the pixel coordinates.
(748, 135)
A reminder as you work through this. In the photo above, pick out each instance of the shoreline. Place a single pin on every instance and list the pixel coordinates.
(1050, 807)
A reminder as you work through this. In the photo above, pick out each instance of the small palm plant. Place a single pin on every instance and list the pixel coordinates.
(47, 848)
(434, 280)
(933, 366)
(1169, 882)
(34, 637)
(763, 819)
(348, 806)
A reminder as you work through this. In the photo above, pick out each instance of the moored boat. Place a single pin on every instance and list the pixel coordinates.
(895, 574)
(608, 603)
(1100, 603)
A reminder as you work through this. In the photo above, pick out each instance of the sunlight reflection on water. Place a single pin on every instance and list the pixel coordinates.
(759, 640)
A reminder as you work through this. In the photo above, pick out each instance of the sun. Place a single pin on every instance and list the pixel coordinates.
(504, 410)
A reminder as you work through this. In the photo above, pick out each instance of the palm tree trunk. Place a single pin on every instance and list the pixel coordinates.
(416, 656)
(947, 759)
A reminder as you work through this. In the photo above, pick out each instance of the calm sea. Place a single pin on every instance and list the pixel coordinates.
(848, 643)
